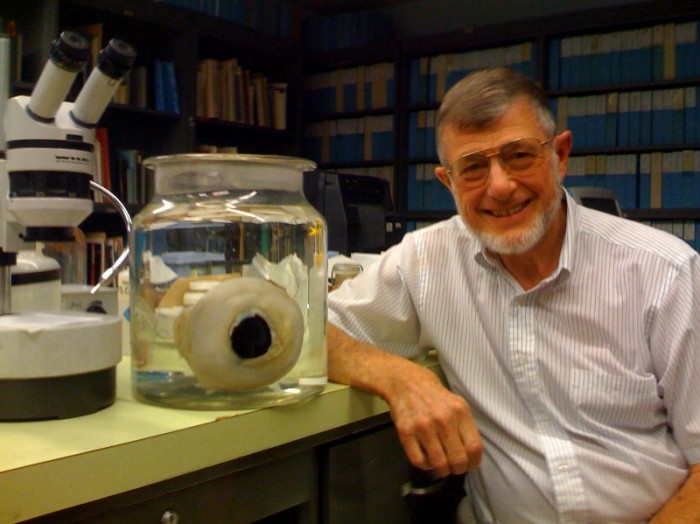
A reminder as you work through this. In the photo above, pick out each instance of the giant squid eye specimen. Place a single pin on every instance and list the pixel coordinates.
(251, 337)
(243, 334)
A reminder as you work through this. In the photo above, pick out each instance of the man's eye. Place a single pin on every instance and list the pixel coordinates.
(516, 155)
(520, 159)
(471, 167)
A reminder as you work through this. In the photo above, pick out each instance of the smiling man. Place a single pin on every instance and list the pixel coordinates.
(569, 338)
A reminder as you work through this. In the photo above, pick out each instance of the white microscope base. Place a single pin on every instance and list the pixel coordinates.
(57, 365)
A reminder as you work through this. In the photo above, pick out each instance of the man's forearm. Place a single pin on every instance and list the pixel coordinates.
(684, 506)
(366, 367)
(434, 425)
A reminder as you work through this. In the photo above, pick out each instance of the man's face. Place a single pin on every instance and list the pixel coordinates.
(511, 211)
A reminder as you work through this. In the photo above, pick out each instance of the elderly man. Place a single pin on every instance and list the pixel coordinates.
(569, 338)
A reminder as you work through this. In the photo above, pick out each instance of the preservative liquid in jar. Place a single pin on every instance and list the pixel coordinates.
(228, 284)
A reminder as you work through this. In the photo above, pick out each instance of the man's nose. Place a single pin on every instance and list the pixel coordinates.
(500, 182)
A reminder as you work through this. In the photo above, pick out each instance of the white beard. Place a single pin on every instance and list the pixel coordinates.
(514, 244)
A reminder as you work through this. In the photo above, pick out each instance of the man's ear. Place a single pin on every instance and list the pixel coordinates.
(442, 176)
(563, 143)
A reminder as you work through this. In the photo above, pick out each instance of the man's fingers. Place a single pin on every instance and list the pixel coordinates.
(457, 457)
(414, 452)
(471, 442)
(444, 456)
(437, 458)
(436, 429)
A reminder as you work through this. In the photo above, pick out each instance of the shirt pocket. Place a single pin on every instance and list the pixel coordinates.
(617, 401)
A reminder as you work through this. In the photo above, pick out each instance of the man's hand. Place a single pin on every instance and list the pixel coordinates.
(434, 425)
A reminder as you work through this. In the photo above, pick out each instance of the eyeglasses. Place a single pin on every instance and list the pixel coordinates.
(517, 156)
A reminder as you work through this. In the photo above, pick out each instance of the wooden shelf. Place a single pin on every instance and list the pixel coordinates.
(315, 117)
(632, 214)
(662, 214)
(330, 166)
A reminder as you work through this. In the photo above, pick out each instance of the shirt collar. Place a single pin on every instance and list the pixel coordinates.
(573, 220)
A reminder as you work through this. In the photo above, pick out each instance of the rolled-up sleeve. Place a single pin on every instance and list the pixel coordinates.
(377, 306)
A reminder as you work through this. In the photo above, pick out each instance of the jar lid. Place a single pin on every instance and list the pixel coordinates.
(301, 164)
(175, 174)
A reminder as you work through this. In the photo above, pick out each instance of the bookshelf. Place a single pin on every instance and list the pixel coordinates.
(600, 67)
(630, 96)
(146, 120)
(350, 117)
(264, 86)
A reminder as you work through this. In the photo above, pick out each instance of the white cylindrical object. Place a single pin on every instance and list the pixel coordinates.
(166, 321)
(50, 90)
(202, 286)
(94, 98)
(49, 212)
(38, 283)
(67, 58)
(112, 64)
(40, 345)
(190, 298)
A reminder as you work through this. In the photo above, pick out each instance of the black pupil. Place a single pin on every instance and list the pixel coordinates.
(251, 337)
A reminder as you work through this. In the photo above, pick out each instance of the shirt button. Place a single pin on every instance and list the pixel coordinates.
(563, 467)
(522, 359)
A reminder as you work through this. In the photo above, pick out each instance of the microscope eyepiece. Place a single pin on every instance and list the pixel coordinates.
(67, 57)
(117, 58)
(70, 51)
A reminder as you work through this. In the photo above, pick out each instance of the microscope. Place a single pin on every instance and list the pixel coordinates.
(55, 364)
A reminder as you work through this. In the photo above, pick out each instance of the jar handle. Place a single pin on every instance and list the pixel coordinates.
(110, 273)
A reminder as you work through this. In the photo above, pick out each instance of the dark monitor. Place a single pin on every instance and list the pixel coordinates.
(355, 208)
(598, 198)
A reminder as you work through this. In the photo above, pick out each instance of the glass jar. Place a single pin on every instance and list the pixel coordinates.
(342, 272)
(228, 284)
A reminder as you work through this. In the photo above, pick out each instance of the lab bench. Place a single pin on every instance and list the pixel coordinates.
(332, 458)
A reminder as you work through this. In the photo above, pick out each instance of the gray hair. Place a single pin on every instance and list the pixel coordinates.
(482, 97)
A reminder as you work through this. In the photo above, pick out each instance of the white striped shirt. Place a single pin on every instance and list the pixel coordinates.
(586, 389)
